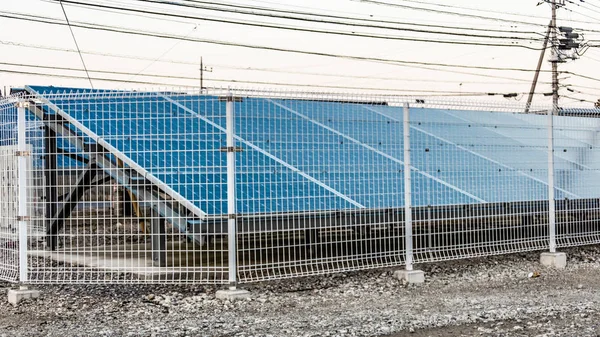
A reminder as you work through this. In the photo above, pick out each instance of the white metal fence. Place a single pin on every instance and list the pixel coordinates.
(234, 186)
(9, 183)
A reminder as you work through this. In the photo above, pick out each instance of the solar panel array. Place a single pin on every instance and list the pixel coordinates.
(308, 155)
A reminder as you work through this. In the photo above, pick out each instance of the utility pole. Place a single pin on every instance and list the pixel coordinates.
(555, 57)
(202, 70)
(539, 67)
(564, 47)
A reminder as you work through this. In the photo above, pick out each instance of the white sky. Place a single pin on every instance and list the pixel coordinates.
(227, 62)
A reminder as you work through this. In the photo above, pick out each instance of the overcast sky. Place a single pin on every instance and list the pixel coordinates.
(24, 43)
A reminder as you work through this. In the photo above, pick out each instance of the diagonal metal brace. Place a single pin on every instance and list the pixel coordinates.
(83, 183)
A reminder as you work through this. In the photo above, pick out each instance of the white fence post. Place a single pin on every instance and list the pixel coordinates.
(22, 217)
(231, 195)
(551, 201)
(408, 236)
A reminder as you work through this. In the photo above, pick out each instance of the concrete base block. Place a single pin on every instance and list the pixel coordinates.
(554, 260)
(232, 294)
(17, 295)
(410, 276)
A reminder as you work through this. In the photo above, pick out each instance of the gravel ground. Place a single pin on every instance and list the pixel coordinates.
(483, 297)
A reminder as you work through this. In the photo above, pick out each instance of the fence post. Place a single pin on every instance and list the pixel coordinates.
(552, 258)
(551, 201)
(231, 196)
(22, 218)
(409, 275)
(408, 235)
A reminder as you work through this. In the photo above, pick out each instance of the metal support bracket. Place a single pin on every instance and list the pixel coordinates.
(230, 98)
(231, 149)
(22, 104)
(22, 153)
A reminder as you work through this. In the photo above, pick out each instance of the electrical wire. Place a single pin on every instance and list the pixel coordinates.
(145, 16)
(585, 7)
(272, 4)
(582, 76)
(579, 13)
(592, 5)
(489, 18)
(76, 44)
(582, 6)
(315, 30)
(596, 89)
(481, 17)
(579, 99)
(250, 46)
(162, 55)
(587, 56)
(107, 72)
(500, 12)
(292, 15)
(275, 70)
(119, 72)
(474, 9)
(446, 93)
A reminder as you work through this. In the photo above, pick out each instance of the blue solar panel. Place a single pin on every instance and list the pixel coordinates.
(311, 155)
(470, 157)
(182, 151)
(375, 153)
(519, 142)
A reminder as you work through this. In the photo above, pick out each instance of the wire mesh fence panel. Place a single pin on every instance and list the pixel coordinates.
(493, 170)
(228, 186)
(128, 186)
(320, 187)
(9, 178)
(577, 169)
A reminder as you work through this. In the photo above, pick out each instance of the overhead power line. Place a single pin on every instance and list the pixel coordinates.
(440, 11)
(473, 9)
(579, 13)
(348, 20)
(113, 72)
(482, 17)
(274, 70)
(579, 99)
(320, 31)
(230, 81)
(269, 13)
(497, 11)
(395, 90)
(582, 76)
(76, 44)
(592, 5)
(272, 4)
(597, 89)
(583, 6)
(570, 89)
(114, 29)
